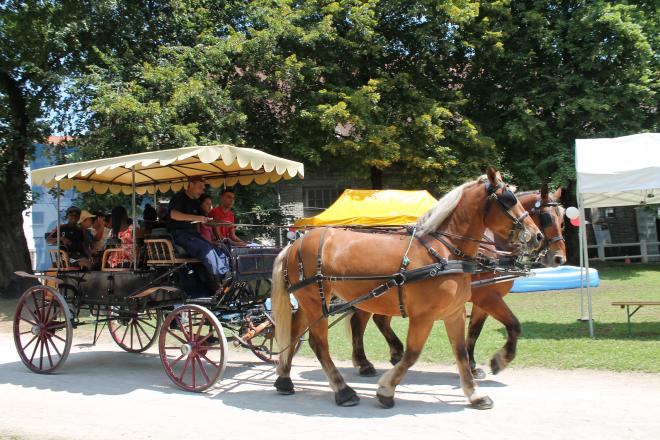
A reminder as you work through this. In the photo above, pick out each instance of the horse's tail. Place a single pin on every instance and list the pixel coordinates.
(282, 312)
(348, 325)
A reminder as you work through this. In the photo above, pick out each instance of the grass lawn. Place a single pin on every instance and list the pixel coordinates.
(552, 335)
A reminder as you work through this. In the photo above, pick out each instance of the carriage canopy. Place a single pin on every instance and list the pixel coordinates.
(165, 170)
(373, 208)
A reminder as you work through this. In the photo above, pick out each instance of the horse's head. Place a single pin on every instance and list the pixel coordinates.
(548, 214)
(506, 216)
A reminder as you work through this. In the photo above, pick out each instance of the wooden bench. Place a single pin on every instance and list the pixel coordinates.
(160, 252)
(59, 260)
(105, 266)
(638, 305)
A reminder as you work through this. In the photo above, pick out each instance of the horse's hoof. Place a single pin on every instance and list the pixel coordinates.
(482, 403)
(495, 366)
(284, 385)
(395, 360)
(346, 397)
(478, 373)
(368, 371)
(385, 401)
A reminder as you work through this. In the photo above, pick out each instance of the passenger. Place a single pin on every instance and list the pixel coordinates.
(100, 232)
(184, 209)
(122, 231)
(207, 232)
(149, 217)
(85, 224)
(71, 238)
(223, 212)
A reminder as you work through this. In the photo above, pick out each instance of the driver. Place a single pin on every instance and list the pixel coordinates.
(184, 209)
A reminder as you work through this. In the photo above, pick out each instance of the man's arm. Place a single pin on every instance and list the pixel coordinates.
(181, 217)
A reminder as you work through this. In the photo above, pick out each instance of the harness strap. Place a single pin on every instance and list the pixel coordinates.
(301, 269)
(319, 273)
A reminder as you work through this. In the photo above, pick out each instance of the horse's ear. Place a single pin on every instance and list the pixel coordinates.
(493, 176)
(544, 191)
(557, 194)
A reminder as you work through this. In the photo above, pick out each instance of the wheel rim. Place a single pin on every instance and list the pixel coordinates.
(192, 348)
(42, 329)
(134, 332)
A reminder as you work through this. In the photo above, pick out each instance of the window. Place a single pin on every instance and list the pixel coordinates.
(320, 197)
(609, 213)
(37, 218)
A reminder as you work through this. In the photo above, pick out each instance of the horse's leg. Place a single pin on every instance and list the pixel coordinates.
(318, 340)
(455, 326)
(396, 346)
(494, 305)
(358, 323)
(418, 332)
(477, 320)
(283, 384)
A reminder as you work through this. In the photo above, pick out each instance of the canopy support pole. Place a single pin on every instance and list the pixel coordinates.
(57, 220)
(584, 253)
(134, 218)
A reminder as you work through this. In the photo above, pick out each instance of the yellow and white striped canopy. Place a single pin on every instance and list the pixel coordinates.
(166, 170)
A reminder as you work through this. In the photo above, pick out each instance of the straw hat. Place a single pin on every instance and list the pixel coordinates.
(84, 215)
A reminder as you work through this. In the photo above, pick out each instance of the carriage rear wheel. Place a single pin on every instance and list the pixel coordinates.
(42, 329)
(192, 347)
(134, 331)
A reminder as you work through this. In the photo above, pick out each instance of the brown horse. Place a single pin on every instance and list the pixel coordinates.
(345, 263)
(487, 299)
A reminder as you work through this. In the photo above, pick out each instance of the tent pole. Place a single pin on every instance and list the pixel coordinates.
(585, 253)
(582, 317)
(57, 222)
(134, 218)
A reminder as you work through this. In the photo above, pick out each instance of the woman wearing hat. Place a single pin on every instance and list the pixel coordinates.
(71, 238)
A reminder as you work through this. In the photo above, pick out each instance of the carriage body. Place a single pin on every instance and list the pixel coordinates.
(162, 295)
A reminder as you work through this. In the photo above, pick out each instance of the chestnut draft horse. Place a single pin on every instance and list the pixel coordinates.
(487, 295)
(422, 281)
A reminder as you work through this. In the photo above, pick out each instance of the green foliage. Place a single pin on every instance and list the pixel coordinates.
(542, 74)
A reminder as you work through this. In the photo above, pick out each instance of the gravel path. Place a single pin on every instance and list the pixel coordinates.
(104, 393)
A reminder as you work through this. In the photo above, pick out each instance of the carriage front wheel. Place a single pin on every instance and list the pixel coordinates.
(134, 331)
(192, 347)
(42, 329)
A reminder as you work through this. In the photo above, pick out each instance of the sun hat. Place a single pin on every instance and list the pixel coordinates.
(84, 215)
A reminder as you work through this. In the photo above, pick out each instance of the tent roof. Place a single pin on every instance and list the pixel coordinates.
(373, 208)
(163, 170)
(619, 171)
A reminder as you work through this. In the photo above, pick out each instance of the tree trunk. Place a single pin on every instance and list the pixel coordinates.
(376, 178)
(14, 254)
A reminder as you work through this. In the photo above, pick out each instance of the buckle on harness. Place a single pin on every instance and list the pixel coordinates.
(399, 279)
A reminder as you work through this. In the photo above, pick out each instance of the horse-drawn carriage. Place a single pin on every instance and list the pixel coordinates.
(161, 296)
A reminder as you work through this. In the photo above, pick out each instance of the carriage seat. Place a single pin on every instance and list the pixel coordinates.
(59, 260)
(105, 266)
(162, 252)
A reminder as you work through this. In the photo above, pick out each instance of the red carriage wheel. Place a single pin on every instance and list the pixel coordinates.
(134, 331)
(42, 329)
(192, 347)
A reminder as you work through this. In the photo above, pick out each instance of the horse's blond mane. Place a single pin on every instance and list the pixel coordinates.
(433, 218)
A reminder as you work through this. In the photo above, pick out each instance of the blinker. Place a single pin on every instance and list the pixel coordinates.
(508, 199)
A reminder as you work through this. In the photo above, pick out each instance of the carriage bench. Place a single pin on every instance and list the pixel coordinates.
(160, 252)
(637, 305)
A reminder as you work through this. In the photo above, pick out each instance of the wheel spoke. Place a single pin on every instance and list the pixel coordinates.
(46, 341)
(135, 328)
(211, 362)
(55, 347)
(185, 366)
(31, 340)
(173, 363)
(201, 368)
(144, 332)
(183, 341)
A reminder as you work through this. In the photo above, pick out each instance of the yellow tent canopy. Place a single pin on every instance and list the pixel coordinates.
(373, 208)
(165, 170)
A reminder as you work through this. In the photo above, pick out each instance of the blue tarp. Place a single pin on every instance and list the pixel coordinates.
(556, 278)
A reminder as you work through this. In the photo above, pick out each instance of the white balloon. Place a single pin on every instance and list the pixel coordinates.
(572, 212)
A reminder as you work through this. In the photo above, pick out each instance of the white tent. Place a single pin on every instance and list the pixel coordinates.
(619, 171)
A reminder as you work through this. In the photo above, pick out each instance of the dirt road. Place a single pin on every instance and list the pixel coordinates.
(104, 393)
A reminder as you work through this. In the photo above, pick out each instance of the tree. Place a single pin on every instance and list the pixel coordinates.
(541, 74)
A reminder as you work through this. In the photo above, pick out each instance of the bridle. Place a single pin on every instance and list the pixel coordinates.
(545, 219)
(506, 201)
